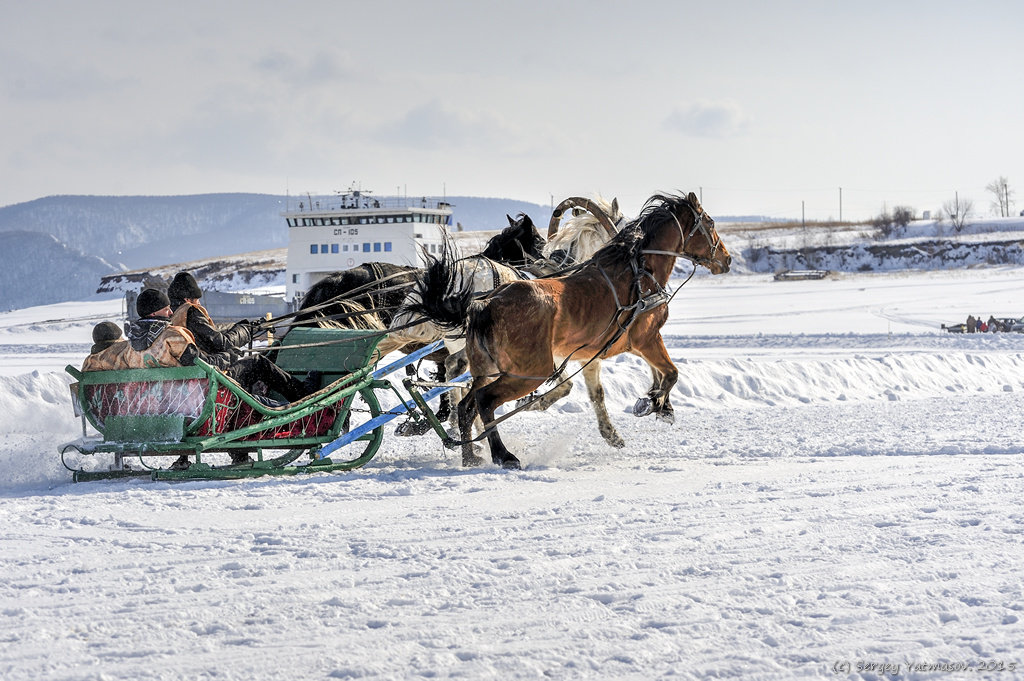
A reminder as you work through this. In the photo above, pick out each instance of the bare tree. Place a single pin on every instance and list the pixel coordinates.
(902, 215)
(883, 224)
(957, 212)
(1000, 189)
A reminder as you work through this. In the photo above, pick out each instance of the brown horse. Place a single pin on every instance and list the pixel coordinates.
(615, 303)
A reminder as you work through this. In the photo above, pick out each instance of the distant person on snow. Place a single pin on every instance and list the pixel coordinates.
(970, 323)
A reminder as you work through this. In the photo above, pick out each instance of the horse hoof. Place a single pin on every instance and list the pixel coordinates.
(616, 442)
(666, 417)
(471, 460)
(643, 407)
(412, 428)
(509, 462)
(525, 403)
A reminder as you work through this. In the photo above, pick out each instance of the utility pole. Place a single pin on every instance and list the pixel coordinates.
(1006, 201)
(840, 204)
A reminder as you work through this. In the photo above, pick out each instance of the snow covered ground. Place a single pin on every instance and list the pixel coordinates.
(840, 491)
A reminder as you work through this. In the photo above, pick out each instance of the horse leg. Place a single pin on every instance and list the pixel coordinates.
(467, 414)
(664, 373)
(455, 365)
(486, 404)
(592, 376)
(444, 410)
(550, 397)
(489, 398)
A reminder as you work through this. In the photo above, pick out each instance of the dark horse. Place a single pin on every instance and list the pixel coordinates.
(613, 304)
(384, 286)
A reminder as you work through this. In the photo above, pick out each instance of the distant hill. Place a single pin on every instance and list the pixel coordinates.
(37, 269)
(133, 232)
(145, 231)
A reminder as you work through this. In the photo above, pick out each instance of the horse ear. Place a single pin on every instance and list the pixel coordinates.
(511, 222)
(615, 208)
(692, 198)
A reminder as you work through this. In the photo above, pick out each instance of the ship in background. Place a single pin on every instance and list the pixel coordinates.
(332, 233)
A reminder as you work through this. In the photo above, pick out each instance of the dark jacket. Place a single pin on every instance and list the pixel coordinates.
(219, 348)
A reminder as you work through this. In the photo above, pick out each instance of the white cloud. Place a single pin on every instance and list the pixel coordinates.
(708, 119)
(435, 126)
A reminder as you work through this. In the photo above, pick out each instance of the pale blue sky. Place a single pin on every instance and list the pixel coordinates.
(761, 105)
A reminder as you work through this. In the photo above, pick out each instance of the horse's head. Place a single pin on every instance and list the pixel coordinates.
(519, 243)
(700, 240)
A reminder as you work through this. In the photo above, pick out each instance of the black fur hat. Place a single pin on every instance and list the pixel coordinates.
(104, 335)
(183, 286)
(105, 331)
(151, 300)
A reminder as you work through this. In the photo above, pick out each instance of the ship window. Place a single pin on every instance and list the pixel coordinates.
(334, 248)
(312, 249)
(362, 221)
(376, 247)
(295, 279)
(387, 246)
(323, 248)
(366, 247)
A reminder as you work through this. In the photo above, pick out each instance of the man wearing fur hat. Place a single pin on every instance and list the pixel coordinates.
(255, 373)
(222, 346)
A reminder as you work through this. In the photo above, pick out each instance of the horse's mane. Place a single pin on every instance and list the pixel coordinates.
(581, 234)
(441, 293)
(626, 246)
(362, 318)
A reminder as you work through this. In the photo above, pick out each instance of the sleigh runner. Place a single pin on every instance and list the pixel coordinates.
(146, 415)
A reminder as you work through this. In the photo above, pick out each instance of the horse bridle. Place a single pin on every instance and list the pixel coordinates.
(698, 225)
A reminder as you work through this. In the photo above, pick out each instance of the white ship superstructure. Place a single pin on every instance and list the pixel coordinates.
(334, 233)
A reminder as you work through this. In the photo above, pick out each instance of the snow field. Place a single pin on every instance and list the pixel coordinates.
(836, 488)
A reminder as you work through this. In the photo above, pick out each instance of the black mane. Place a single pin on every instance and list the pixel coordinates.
(631, 240)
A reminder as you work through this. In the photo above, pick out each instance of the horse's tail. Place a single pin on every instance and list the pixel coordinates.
(441, 295)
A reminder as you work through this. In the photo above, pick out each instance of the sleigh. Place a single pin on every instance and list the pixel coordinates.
(144, 416)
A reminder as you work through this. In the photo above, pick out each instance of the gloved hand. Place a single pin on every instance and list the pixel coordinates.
(244, 331)
(257, 330)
